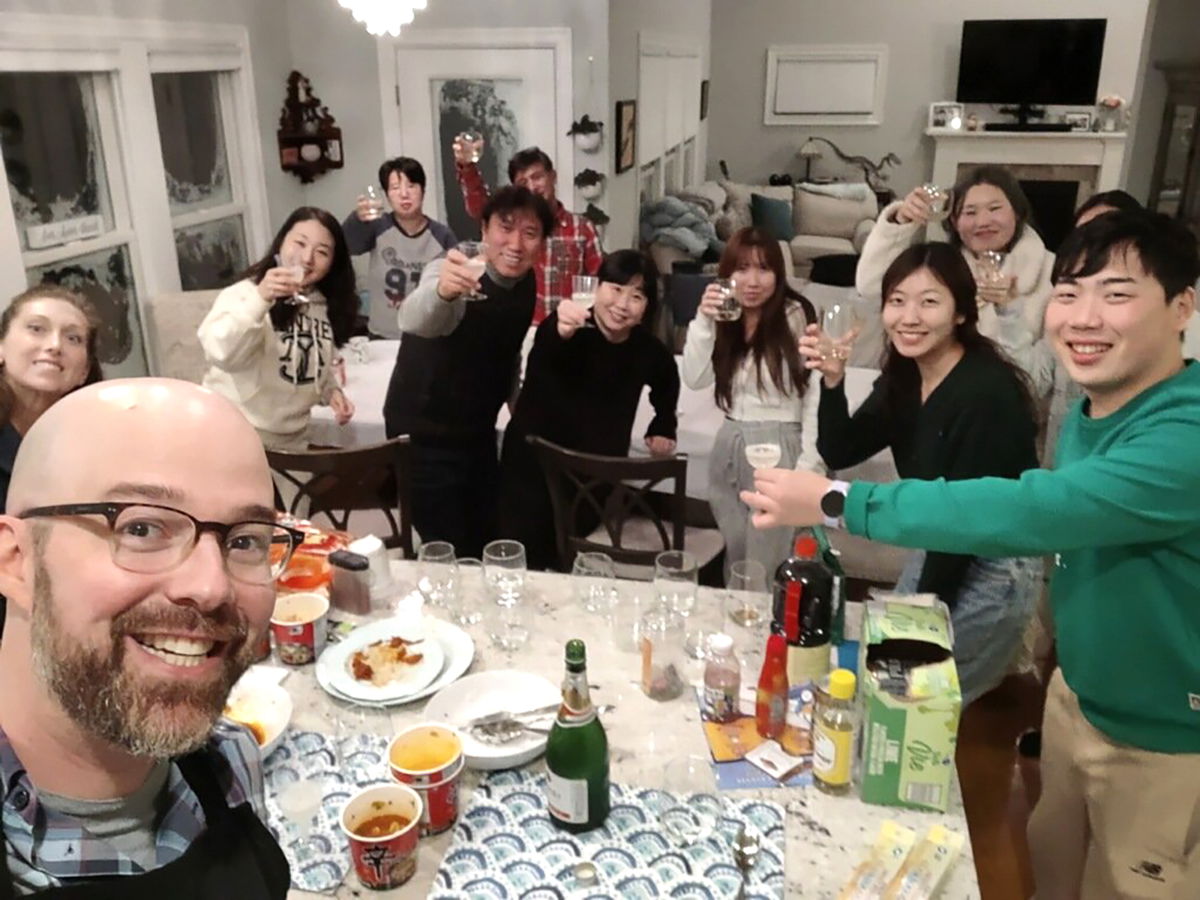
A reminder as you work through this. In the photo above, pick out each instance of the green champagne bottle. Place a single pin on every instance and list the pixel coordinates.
(577, 753)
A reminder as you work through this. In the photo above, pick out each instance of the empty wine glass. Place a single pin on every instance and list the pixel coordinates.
(508, 627)
(746, 593)
(763, 448)
(594, 579)
(437, 570)
(839, 326)
(300, 801)
(583, 293)
(693, 808)
(676, 582)
(376, 203)
(476, 254)
(731, 307)
(504, 571)
(466, 604)
(939, 201)
(294, 263)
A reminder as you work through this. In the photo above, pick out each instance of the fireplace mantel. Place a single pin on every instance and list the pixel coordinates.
(1105, 150)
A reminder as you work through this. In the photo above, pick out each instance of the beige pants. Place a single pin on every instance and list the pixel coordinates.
(1113, 821)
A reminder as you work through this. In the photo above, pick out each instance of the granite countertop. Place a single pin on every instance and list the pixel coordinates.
(827, 836)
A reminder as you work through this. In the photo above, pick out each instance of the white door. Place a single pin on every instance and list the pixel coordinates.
(515, 96)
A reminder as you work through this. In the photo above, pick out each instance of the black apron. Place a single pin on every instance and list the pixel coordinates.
(235, 856)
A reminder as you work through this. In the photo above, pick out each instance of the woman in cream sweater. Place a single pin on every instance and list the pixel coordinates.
(271, 338)
(760, 383)
(988, 211)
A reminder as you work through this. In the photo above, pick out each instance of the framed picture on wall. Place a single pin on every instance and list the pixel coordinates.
(626, 135)
(704, 100)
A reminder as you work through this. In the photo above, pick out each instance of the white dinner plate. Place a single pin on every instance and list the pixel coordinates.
(458, 648)
(411, 678)
(485, 693)
(265, 704)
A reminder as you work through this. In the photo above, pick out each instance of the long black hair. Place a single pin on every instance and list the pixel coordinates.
(773, 341)
(947, 265)
(337, 286)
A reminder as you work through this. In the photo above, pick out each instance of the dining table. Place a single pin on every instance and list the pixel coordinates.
(825, 836)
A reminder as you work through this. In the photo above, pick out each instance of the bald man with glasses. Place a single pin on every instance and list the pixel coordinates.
(138, 557)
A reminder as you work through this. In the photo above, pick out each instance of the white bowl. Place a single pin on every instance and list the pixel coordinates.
(267, 705)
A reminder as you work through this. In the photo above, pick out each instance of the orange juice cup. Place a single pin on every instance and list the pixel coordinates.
(298, 625)
(429, 759)
(386, 862)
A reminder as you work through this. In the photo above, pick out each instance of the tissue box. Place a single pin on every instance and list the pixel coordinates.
(911, 701)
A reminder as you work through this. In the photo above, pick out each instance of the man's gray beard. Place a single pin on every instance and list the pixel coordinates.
(101, 696)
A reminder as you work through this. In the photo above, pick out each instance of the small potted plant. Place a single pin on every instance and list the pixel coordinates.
(590, 184)
(587, 134)
(596, 215)
(1110, 113)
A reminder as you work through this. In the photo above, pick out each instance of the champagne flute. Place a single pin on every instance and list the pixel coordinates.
(294, 264)
(595, 580)
(437, 572)
(504, 571)
(583, 293)
(476, 254)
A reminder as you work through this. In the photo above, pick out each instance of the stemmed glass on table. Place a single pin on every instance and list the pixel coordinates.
(594, 579)
(504, 572)
(676, 583)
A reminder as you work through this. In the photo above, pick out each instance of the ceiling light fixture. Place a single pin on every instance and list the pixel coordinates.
(382, 17)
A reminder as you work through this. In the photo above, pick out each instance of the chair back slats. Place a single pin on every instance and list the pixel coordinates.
(335, 483)
(615, 491)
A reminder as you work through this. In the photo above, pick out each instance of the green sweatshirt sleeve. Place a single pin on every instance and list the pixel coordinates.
(1142, 489)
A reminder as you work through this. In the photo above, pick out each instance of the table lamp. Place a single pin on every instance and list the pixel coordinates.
(810, 150)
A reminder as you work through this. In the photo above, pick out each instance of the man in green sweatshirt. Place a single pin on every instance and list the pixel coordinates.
(1120, 812)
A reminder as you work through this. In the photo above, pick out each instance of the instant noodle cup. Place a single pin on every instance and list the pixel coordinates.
(298, 625)
(429, 759)
(382, 824)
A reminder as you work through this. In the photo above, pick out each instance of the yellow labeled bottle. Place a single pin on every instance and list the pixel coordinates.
(833, 724)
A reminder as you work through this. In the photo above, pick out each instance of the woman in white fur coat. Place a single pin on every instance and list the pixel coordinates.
(988, 211)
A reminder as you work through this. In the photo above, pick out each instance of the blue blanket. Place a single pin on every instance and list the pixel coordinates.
(676, 223)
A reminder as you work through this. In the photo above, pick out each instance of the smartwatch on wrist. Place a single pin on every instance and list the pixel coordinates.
(833, 503)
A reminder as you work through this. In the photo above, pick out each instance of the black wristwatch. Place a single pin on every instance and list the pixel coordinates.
(833, 503)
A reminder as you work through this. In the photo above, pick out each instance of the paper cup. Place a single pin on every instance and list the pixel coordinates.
(429, 759)
(298, 625)
(382, 863)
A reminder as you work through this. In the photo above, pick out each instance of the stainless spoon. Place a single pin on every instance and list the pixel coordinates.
(746, 846)
(509, 729)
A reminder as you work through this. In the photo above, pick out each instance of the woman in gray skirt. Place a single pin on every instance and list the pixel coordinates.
(760, 382)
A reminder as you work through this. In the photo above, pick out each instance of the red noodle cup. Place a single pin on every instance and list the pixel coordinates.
(387, 862)
(298, 624)
(429, 759)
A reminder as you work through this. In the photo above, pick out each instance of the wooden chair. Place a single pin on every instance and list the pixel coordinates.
(339, 482)
(637, 522)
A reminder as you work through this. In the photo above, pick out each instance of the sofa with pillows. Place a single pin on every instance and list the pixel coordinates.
(812, 220)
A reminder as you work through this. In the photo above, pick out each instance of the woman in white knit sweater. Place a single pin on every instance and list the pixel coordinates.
(760, 382)
(270, 339)
(988, 211)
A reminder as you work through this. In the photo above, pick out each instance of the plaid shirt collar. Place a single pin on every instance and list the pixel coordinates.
(46, 848)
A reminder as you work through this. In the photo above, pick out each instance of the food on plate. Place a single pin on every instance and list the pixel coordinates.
(384, 661)
(382, 826)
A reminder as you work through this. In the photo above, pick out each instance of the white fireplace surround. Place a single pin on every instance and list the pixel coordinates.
(1102, 152)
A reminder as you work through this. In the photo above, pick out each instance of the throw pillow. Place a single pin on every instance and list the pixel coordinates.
(822, 214)
(775, 216)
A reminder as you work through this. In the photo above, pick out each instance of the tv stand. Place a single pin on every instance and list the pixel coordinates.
(1026, 126)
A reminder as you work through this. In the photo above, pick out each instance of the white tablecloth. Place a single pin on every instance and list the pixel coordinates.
(699, 418)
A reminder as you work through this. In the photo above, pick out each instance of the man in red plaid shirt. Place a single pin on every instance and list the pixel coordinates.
(572, 248)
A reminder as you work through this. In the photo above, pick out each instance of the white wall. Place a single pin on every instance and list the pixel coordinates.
(685, 20)
(266, 24)
(1174, 37)
(923, 38)
(339, 57)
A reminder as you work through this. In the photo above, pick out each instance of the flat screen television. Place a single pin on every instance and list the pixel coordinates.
(1030, 61)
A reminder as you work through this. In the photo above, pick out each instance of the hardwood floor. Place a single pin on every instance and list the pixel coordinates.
(993, 789)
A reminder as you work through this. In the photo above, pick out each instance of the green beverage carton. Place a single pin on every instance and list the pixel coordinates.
(911, 701)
